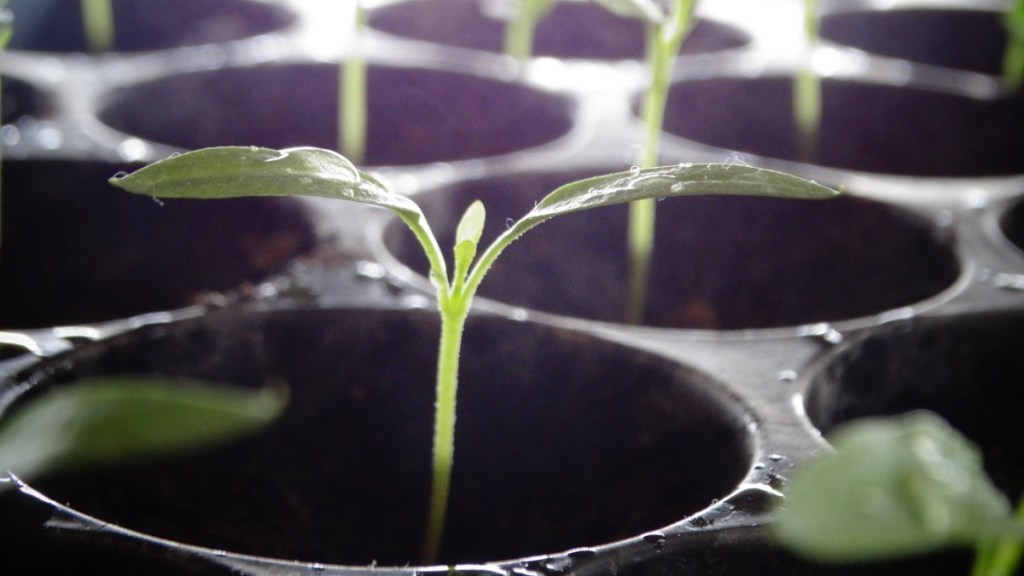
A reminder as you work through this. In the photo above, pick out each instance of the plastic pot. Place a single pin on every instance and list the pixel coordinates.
(564, 440)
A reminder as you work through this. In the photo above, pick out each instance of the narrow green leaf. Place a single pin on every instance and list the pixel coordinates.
(657, 182)
(100, 421)
(676, 180)
(646, 10)
(239, 171)
(895, 486)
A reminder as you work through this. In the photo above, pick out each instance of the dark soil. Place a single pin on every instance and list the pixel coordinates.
(56, 25)
(76, 249)
(416, 116)
(563, 440)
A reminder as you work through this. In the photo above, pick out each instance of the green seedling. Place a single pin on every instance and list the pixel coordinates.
(896, 487)
(6, 27)
(228, 172)
(98, 25)
(106, 420)
(807, 89)
(1013, 57)
(352, 93)
(520, 27)
(666, 32)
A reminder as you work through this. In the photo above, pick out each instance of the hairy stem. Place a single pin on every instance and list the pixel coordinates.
(454, 311)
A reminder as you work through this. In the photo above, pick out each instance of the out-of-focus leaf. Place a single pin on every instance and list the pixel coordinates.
(104, 420)
(894, 486)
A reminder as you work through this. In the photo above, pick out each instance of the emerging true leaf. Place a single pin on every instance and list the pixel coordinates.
(895, 486)
(99, 421)
(467, 237)
(471, 226)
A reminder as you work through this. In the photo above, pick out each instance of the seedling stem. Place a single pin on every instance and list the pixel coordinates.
(520, 29)
(807, 89)
(664, 40)
(352, 93)
(98, 25)
(1013, 57)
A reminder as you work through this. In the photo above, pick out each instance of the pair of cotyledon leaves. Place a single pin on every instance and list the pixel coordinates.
(87, 424)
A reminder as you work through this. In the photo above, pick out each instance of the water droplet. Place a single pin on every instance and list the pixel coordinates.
(120, 174)
(254, 148)
(634, 170)
(656, 538)
(786, 376)
(823, 331)
(157, 201)
(581, 553)
(1010, 282)
(678, 187)
(219, 553)
(755, 499)
(370, 270)
(509, 222)
(316, 567)
(174, 154)
(10, 135)
(775, 457)
(558, 564)
(133, 150)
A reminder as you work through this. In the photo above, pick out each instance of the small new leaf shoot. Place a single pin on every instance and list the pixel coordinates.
(105, 420)
(239, 171)
(894, 486)
(467, 237)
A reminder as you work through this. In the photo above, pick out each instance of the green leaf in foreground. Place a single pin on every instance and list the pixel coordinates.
(241, 171)
(670, 181)
(101, 421)
(894, 487)
(244, 171)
